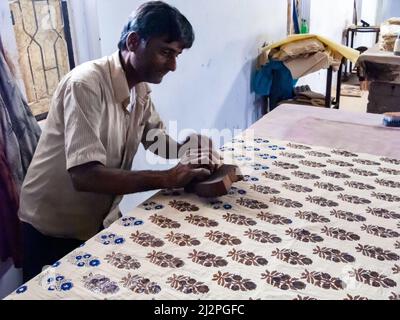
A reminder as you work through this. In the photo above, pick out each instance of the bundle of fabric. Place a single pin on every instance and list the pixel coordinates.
(390, 29)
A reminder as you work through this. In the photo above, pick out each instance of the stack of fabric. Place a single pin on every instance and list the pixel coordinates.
(390, 29)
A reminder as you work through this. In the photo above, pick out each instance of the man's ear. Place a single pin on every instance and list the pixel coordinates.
(132, 41)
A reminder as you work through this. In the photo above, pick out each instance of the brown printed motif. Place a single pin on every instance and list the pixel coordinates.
(304, 235)
(328, 186)
(298, 146)
(323, 280)
(122, 261)
(388, 183)
(305, 175)
(264, 189)
(355, 298)
(394, 297)
(187, 285)
(363, 173)
(201, 221)
(164, 222)
(372, 278)
(348, 216)
(318, 154)
(344, 153)
(312, 164)
(233, 282)
(396, 269)
(262, 236)
(383, 213)
(385, 197)
(247, 258)
(296, 188)
(282, 281)
(305, 298)
(140, 285)
(397, 245)
(183, 206)
(353, 199)
(146, 240)
(335, 174)
(222, 238)
(284, 165)
(359, 185)
(333, 255)
(391, 161)
(165, 260)
(380, 231)
(207, 259)
(312, 217)
(287, 203)
(340, 234)
(340, 163)
(366, 162)
(377, 253)
(273, 219)
(251, 203)
(98, 283)
(292, 155)
(239, 220)
(392, 172)
(182, 240)
(275, 176)
(292, 257)
(322, 201)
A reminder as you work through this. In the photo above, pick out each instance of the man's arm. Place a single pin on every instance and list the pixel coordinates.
(96, 178)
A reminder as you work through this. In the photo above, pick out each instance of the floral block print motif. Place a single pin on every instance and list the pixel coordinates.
(338, 163)
(353, 199)
(298, 146)
(146, 240)
(322, 201)
(164, 222)
(275, 176)
(340, 234)
(54, 282)
(312, 217)
(207, 260)
(328, 186)
(201, 221)
(108, 238)
(274, 219)
(388, 183)
(264, 189)
(318, 154)
(140, 285)
(236, 191)
(183, 206)
(182, 240)
(335, 174)
(323, 280)
(386, 197)
(282, 281)
(355, 298)
(366, 162)
(98, 283)
(304, 235)
(312, 164)
(291, 155)
(165, 260)
(130, 222)
(187, 285)
(305, 298)
(383, 213)
(348, 216)
(372, 278)
(395, 297)
(219, 205)
(396, 269)
(122, 261)
(392, 172)
(262, 236)
(363, 173)
(285, 165)
(152, 206)
(247, 258)
(305, 175)
(251, 203)
(296, 188)
(344, 153)
(83, 259)
(359, 185)
(391, 161)
(377, 253)
(222, 238)
(333, 255)
(239, 220)
(380, 231)
(292, 257)
(233, 282)
(287, 203)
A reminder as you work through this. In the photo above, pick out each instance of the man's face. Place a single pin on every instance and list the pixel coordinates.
(156, 57)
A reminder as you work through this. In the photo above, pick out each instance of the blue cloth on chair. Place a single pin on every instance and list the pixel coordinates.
(275, 81)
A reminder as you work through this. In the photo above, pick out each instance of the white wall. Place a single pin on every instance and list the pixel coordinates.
(389, 9)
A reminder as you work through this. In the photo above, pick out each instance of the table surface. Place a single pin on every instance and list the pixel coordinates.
(308, 222)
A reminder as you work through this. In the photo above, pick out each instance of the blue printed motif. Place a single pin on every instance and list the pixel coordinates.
(99, 283)
(130, 222)
(21, 290)
(219, 205)
(231, 149)
(82, 259)
(108, 238)
(259, 140)
(258, 167)
(236, 191)
(55, 282)
(266, 156)
(152, 206)
(248, 178)
(57, 264)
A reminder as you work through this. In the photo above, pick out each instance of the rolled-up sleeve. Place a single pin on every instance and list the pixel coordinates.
(82, 117)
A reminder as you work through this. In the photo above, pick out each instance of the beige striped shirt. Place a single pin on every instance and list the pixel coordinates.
(89, 120)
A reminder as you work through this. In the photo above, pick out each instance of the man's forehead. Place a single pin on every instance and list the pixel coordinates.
(164, 42)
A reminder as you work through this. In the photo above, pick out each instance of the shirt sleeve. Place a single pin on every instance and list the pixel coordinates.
(154, 128)
(82, 119)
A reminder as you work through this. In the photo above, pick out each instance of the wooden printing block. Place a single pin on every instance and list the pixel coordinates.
(218, 184)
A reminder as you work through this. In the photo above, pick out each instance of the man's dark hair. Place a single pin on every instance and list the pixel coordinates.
(157, 19)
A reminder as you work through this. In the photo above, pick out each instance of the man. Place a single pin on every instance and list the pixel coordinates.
(100, 113)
